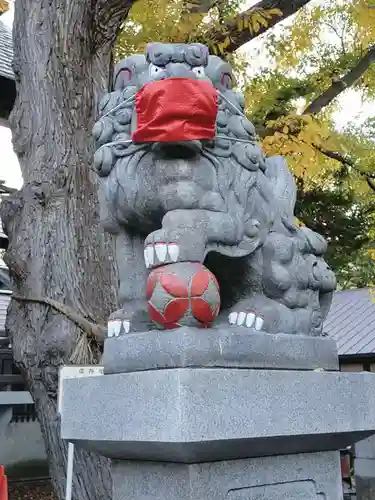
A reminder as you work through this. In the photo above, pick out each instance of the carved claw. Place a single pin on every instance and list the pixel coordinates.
(250, 320)
(161, 253)
(116, 328)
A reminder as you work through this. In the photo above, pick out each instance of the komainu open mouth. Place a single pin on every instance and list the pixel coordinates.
(183, 150)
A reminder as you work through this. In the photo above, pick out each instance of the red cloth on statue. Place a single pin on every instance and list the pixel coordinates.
(176, 109)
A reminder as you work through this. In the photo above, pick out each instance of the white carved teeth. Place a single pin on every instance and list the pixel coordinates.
(233, 318)
(149, 256)
(241, 318)
(114, 328)
(258, 323)
(161, 251)
(173, 251)
(249, 320)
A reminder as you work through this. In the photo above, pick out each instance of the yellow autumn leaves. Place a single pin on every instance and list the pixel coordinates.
(297, 137)
(258, 18)
(3, 6)
(251, 22)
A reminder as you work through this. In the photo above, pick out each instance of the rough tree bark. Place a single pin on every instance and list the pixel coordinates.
(62, 58)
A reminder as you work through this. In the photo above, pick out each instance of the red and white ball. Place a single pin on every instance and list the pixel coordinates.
(182, 294)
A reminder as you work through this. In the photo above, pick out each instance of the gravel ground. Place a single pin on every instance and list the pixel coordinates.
(34, 491)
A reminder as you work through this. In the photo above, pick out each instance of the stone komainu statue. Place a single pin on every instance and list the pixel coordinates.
(184, 180)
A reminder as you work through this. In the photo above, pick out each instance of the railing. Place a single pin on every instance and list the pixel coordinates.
(13, 391)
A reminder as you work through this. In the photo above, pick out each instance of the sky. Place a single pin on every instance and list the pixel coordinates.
(350, 109)
(10, 170)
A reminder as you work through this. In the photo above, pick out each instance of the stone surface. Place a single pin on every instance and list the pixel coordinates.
(365, 486)
(364, 467)
(197, 415)
(224, 346)
(366, 448)
(313, 476)
(210, 198)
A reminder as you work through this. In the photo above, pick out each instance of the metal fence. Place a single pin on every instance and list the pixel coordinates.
(11, 381)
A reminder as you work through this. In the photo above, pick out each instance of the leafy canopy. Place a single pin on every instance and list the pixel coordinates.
(307, 56)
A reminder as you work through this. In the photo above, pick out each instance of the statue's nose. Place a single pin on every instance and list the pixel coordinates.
(180, 70)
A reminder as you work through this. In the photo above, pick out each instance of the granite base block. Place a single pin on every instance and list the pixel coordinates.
(365, 469)
(219, 347)
(314, 476)
(199, 415)
(365, 488)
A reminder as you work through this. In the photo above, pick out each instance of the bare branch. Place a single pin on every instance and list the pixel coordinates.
(340, 36)
(348, 162)
(334, 155)
(342, 84)
(91, 329)
(109, 16)
(232, 28)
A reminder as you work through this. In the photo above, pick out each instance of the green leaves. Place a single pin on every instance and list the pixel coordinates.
(294, 66)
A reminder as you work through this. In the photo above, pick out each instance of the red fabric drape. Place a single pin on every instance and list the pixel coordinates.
(176, 109)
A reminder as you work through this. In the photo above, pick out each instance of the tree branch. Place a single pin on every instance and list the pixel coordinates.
(108, 18)
(344, 159)
(371, 183)
(91, 329)
(232, 31)
(342, 84)
(348, 162)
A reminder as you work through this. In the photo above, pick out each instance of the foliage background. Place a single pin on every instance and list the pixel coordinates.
(296, 62)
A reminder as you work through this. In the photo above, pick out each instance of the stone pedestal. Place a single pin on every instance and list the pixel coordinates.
(220, 414)
(311, 476)
(365, 469)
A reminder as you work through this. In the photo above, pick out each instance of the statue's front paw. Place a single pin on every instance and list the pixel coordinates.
(262, 314)
(117, 327)
(170, 246)
(248, 319)
(133, 317)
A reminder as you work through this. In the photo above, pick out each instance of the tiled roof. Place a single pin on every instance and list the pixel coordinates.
(4, 302)
(351, 321)
(6, 51)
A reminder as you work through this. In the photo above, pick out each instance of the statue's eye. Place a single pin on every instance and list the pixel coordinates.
(199, 71)
(155, 70)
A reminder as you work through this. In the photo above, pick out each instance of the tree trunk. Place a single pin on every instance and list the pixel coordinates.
(62, 58)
